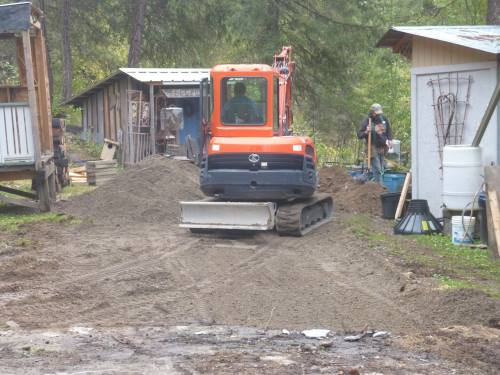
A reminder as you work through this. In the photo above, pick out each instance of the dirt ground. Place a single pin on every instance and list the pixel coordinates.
(120, 288)
(350, 195)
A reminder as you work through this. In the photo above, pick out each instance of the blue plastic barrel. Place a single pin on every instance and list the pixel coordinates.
(393, 181)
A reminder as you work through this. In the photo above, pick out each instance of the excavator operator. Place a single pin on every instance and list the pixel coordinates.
(240, 109)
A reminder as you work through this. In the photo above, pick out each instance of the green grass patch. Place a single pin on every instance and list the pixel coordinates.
(476, 260)
(450, 282)
(76, 189)
(453, 266)
(12, 221)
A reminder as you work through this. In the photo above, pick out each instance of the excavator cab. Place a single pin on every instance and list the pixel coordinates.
(249, 154)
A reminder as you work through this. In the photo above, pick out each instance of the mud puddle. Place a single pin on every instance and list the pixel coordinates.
(205, 350)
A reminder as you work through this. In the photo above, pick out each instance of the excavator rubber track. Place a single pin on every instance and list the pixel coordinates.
(299, 217)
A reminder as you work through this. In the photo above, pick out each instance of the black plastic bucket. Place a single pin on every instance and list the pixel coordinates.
(389, 204)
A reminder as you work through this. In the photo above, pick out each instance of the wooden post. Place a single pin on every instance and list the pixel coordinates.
(152, 120)
(130, 128)
(492, 180)
(30, 80)
(402, 199)
(495, 222)
(43, 91)
(20, 61)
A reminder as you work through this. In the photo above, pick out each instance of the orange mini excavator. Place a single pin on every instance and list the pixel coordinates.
(257, 174)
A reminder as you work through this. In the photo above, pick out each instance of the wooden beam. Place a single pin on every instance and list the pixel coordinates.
(152, 119)
(30, 78)
(21, 193)
(402, 198)
(116, 90)
(43, 91)
(107, 128)
(122, 127)
(495, 221)
(21, 65)
(492, 179)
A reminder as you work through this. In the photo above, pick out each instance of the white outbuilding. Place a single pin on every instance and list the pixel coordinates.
(454, 71)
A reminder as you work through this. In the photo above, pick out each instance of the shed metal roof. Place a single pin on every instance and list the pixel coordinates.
(158, 76)
(16, 16)
(483, 38)
(166, 76)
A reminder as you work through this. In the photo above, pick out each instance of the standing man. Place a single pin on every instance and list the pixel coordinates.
(381, 139)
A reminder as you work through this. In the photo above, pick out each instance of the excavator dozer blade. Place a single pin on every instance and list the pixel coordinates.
(228, 215)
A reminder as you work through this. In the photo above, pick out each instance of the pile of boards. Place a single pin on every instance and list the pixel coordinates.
(97, 172)
(100, 171)
(78, 175)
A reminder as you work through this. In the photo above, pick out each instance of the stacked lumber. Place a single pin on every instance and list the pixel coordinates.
(100, 171)
(78, 175)
(492, 180)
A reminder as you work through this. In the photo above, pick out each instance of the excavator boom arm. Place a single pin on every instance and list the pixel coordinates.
(285, 68)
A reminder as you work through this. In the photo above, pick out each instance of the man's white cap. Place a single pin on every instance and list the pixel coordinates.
(376, 108)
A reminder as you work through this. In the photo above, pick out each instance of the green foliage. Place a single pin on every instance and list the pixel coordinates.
(8, 74)
(340, 72)
(8, 67)
(88, 146)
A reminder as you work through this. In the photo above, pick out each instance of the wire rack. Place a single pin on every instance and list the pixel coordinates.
(450, 100)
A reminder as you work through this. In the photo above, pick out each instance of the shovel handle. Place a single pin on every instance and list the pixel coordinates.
(369, 144)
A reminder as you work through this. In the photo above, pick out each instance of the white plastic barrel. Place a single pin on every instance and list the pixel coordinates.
(462, 229)
(462, 169)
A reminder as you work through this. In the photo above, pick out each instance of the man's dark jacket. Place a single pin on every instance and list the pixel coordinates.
(379, 140)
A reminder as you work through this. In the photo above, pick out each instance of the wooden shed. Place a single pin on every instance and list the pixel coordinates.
(123, 106)
(454, 71)
(26, 148)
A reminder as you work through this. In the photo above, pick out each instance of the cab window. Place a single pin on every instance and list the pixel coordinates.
(244, 100)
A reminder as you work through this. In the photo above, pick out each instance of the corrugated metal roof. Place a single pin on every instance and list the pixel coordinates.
(483, 38)
(77, 99)
(146, 75)
(166, 76)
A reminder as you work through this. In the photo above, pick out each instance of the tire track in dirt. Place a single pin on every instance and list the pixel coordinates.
(133, 266)
(259, 258)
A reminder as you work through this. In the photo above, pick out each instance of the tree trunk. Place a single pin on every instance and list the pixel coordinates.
(493, 17)
(134, 51)
(66, 51)
(47, 48)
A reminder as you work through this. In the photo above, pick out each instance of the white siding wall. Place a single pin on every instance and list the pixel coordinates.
(426, 162)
